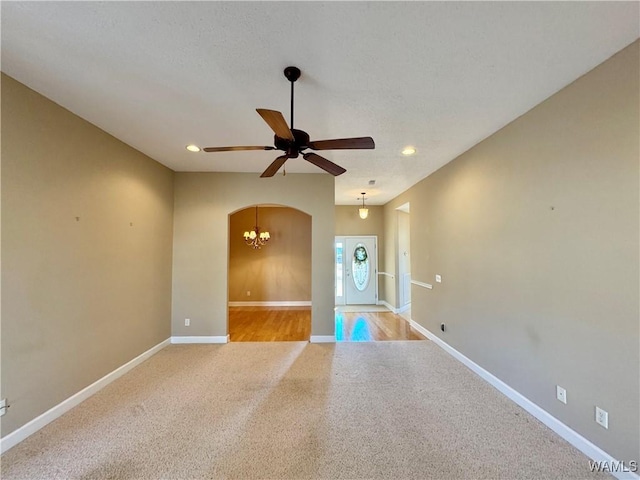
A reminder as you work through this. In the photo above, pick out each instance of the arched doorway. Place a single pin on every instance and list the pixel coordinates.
(269, 288)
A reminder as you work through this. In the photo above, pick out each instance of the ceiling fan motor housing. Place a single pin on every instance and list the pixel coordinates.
(300, 142)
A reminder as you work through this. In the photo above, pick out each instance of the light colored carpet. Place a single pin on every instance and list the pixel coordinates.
(296, 410)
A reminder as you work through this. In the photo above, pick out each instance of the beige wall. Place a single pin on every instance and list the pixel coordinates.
(348, 222)
(79, 297)
(281, 270)
(203, 203)
(535, 233)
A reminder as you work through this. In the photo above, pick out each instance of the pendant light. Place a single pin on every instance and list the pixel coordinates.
(363, 211)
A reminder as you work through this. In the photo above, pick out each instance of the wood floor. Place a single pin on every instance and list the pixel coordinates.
(268, 324)
(373, 327)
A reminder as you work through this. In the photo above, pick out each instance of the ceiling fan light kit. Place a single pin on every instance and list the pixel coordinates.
(293, 142)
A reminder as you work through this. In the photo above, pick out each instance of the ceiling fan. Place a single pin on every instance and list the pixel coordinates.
(293, 142)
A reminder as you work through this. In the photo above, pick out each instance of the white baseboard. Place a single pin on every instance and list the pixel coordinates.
(404, 308)
(322, 339)
(388, 305)
(574, 438)
(199, 339)
(302, 303)
(394, 309)
(15, 437)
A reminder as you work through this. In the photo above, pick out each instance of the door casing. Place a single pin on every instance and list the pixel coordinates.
(344, 283)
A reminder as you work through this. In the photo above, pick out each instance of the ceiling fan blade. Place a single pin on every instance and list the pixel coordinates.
(343, 144)
(324, 164)
(235, 149)
(274, 167)
(277, 123)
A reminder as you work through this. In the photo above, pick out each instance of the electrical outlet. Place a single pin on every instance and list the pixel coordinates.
(248, 293)
(438, 279)
(602, 417)
(3, 406)
(187, 322)
(561, 394)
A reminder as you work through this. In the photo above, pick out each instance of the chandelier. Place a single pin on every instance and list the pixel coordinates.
(363, 211)
(255, 238)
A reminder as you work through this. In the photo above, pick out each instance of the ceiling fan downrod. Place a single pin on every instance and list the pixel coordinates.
(292, 74)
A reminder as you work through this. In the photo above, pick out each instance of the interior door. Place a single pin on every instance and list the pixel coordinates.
(360, 270)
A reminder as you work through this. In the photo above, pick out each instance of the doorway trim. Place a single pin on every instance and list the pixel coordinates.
(340, 280)
(403, 250)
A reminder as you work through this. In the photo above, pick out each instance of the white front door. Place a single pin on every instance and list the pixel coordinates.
(359, 260)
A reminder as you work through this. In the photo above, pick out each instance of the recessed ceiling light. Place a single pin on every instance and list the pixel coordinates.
(408, 150)
(193, 148)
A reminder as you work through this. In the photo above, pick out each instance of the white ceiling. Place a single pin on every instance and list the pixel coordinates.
(437, 75)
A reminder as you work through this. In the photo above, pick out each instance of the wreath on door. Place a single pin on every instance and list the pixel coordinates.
(360, 255)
